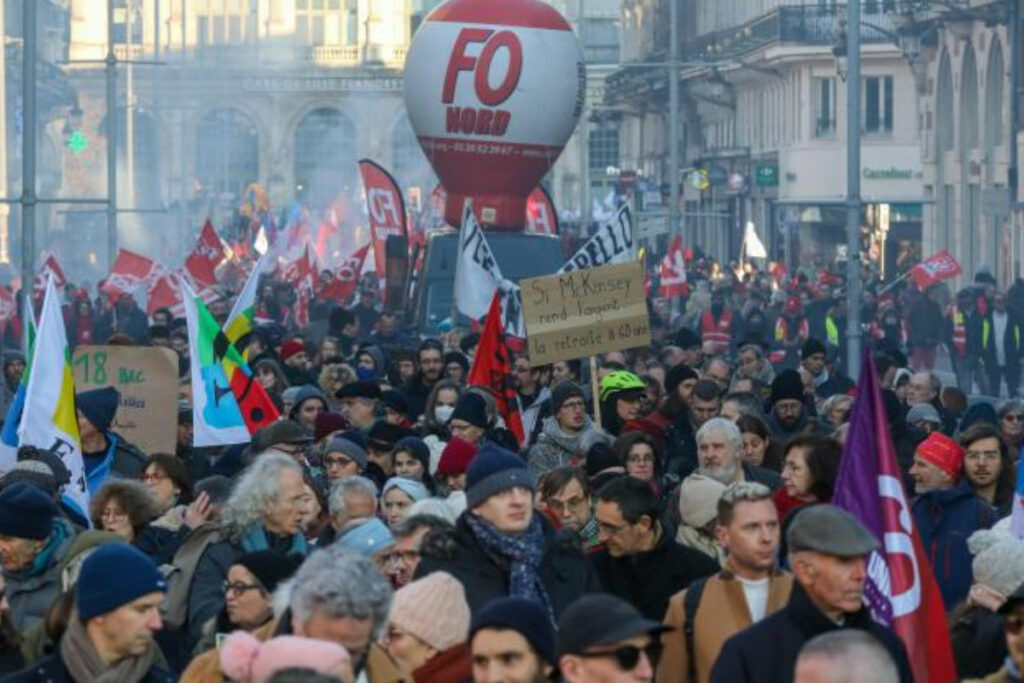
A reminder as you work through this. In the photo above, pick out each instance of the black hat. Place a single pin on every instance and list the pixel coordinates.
(787, 385)
(562, 392)
(395, 401)
(811, 347)
(526, 617)
(457, 357)
(1012, 600)
(471, 408)
(383, 435)
(360, 389)
(677, 375)
(601, 619)
(687, 339)
(270, 567)
(282, 431)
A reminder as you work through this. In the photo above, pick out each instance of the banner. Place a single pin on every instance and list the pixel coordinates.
(208, 253)
(385, 209)
(129, 273)
(49, 267)
(934, 270)
(492, 368)
(477, 275)
(9, 434)
(541, 218)
(346, 277)
(243, 313)
(900, 591)
(612, 243)
(752, 245)
(147, 378)
(585, 312)
(48, 419)
(672, 271)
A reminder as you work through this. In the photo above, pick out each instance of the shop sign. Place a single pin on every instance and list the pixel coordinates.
(766, 175)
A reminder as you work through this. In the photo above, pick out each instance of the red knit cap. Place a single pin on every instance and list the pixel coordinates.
(455, 457)
(292, 347)
(941, 451)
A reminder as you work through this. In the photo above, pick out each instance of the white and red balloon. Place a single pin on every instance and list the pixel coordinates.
(493, 89)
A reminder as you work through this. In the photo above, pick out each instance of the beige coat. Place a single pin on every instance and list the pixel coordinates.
(722, 612)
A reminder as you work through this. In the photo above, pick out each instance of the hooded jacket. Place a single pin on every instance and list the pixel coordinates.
(556, 447)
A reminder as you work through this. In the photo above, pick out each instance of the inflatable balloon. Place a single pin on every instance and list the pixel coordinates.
(493, 89)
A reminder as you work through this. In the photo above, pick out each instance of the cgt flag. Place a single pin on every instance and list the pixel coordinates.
(901, 591)
(934, 270)
(492, 368)
(384, 207)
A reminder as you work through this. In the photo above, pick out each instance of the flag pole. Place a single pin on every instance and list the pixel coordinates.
(595, 391)
(895, 282)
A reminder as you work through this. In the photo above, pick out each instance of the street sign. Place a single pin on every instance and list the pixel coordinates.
(766, 175)
(650, 225)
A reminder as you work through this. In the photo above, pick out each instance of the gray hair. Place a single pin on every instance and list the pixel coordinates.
(257, 487)
(835, 400)
(721, 424)
(339, 583)
(755, 349)
(747, 402)
(348, 486)
(853, 656)
(1013, 405)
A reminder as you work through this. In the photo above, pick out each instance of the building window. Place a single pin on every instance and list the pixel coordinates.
(323, 180)
(318, 22)
(227, 152)
(824, 107)
(603, 145)
(878, 104)
(222, 23)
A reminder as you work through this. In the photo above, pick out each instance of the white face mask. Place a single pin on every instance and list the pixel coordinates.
(443, 413)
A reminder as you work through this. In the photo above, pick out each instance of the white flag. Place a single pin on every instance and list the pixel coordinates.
(612, 243)
(752, 245)
(49, 419)
(477, 275)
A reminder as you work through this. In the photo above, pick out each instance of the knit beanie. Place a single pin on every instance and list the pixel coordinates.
(495, 470)
(981, 412)
(943, 452)
(787, 385)
(53, 461)
(244, 658)
(114, 575)
(923, 412)
(455, 457)
(677, 375)
(434, 609)
(811, 347)
(395, 401)
(307, 392)
(98, 406)
(328, 423)
(350, 449)
(998, 560)
(270, 567)
(410, 487)
(471, 408)
(698, 500)
(562, 392)
(26, 512)
(291, 347)
(34, 472)
(367, 538)
(526, 617)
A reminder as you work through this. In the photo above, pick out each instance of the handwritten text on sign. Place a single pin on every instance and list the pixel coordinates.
(147, 379)
(585, 312)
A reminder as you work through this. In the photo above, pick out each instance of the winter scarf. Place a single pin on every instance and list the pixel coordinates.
(520, 556)
(84, 663)
(255, 538)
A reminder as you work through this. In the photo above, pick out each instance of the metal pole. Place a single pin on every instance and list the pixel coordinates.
(1015, 52)
(28, 147)
(5, 228)
(853, 202)
(129, 105)
(673, 118)
(111, 132)
(583, 132)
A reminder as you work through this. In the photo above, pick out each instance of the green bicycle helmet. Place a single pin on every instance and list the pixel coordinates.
(620, 381)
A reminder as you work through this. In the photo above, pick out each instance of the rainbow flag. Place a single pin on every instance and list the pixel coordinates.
(241, 319)
(48, 419)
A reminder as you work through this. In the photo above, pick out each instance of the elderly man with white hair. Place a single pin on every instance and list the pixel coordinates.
(719, 453)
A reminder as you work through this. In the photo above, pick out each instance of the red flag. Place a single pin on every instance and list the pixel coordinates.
(672, 270)
(347, 276)
(901, 589)
(164, 292)
(935, 269)
(7, 307)
(541, 218)
(492, 368)
(129, 273)
(384, 207)
(50, 265)
(301, 273)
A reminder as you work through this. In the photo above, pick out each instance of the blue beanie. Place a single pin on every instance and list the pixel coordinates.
(99, 406)
(25, 511)
(368, 538)
(494, 470)
(410, 487)
(526, 617)
(114, 575)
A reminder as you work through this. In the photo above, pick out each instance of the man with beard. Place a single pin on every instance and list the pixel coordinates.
(719, 449)
(567, 434)
(512, 640)
(789, 413)
(430, 366)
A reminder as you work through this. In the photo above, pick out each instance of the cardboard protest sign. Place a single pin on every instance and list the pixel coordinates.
(585, 312)
(147, 378)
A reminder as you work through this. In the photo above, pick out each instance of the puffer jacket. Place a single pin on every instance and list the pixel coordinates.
(557, 448)
(31, 592)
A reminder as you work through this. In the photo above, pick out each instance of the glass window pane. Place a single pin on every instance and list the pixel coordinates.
(301, 4)
(318, 30)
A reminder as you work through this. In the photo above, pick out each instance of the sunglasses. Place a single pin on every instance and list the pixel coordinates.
(628, 656)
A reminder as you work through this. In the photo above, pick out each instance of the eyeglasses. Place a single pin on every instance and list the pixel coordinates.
(1013, 417)
(574, 405)
(153, 477)
(238, 589)
(336, 462)
(402, 557)
(628, 656)
(640, 459)
(1013, 623)
(113, 513)
(982, 455)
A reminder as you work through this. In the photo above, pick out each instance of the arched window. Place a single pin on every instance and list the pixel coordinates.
(969, 100)
(944, 107)
(325, 156)
(227, 151)
(994, 97)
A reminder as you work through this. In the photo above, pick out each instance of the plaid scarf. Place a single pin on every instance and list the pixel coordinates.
(520, 556)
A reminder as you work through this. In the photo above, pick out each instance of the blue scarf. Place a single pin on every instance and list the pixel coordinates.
(96, 476)
(256, 539)
(520, 556)
(42, 561)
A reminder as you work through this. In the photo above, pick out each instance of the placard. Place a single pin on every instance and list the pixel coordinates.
(585, 312)
(147, 378)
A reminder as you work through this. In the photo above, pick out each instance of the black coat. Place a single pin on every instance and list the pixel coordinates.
(767, 651)
(565, 571)
(979, 643)
(647, 580)
(51, 669)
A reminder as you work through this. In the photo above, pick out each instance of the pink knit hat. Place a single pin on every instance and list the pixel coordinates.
(247, 660)
(434, 609)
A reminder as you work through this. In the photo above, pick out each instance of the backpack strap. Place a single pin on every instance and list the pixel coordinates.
(691, 601)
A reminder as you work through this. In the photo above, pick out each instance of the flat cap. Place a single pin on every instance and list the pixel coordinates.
(282, 431)
(599, 619)
(829, 530)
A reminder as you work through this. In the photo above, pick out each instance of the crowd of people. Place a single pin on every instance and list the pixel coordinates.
(666, 519)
